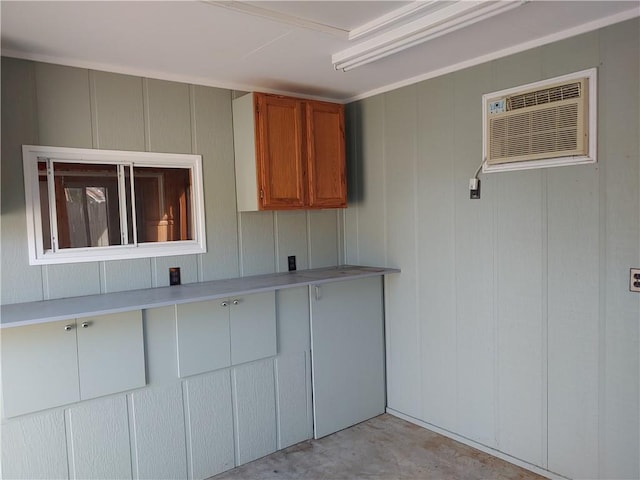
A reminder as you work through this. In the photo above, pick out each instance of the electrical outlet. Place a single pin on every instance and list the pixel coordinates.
(292, 262)
(634, 279)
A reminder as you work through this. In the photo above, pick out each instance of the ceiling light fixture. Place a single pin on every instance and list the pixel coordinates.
(445, 20)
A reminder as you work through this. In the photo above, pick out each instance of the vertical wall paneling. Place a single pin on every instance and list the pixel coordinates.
(291, 394)
(254, 410)
(291, 239)
(19, 127)
(257, 243)
(520, 294)
(117, 111)
(403, 361)
(474, 263)
(619, 85)
(188, 265)
(209, 420)
(35, 447)
(99, 439)
(324, 238)
(352, 125)
(574, 247)
(157, 419)
(160, 347)
(371, 206)
(292, 307)
(64, 106)
(212, 131)
(436, 234)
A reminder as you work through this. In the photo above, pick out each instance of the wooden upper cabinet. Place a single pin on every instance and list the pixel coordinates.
(325, 155)
(289, 153)
(279, 152)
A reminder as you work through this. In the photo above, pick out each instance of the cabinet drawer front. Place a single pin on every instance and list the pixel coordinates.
(110, 354)
(39, 367)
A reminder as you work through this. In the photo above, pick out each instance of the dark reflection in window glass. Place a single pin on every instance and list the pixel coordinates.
(163, 204)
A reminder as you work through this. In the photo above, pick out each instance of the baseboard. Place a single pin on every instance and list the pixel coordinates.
(477, 446)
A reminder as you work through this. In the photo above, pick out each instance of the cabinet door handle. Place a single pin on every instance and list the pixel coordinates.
(318, 293)
(68, 327)
(85, 324)
(236, 301)
(224, 304)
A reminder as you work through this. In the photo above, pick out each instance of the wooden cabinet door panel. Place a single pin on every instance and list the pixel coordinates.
(279, 146)
(326, 155)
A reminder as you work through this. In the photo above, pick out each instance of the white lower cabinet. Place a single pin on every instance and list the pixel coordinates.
(219, 333)
(248, 391)
(58, 363)
(347, 353)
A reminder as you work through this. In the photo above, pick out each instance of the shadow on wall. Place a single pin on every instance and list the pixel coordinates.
(355, 163)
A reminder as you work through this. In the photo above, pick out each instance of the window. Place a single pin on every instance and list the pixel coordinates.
(86, 205)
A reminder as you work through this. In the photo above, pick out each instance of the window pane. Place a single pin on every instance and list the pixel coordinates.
(163, 204)
(44, 205)
(87, 205)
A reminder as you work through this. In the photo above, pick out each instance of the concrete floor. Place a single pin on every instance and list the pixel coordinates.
(384, 447)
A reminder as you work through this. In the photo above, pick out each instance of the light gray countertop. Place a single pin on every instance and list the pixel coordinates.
(20, 314)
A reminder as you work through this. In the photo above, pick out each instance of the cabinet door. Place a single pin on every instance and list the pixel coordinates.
(253, 327)
(347, 353)
(203, 337)
(39, 367)
(279, 147)
(326, 155)
(110, 354)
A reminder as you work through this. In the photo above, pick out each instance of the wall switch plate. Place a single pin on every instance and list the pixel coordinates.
(474, 188)
(292, 262)
(634, 279)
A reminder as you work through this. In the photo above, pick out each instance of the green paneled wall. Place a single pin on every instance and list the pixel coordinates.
(63, 106)
(512, 324)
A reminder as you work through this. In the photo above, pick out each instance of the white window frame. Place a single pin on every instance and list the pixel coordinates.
(32, 154)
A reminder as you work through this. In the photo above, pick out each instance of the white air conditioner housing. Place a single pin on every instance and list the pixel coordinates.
(543, 124)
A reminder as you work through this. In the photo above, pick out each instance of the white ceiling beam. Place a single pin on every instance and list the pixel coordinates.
(431, 25)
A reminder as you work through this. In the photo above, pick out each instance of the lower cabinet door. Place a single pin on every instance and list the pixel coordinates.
(110, 354)
(39, 367)
(253, 327)
(203, 337)
(347, 353)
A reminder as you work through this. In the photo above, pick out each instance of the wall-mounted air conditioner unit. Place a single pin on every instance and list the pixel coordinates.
(543, 124)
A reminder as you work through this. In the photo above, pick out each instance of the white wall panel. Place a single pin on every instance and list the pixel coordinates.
(474, 265)
(325, 249)
(35, 447)
(254, 411)
(161, 358)
(291, 239)
(19, 127)
(402, 327)
(436, 233)
(158, 436)
(99, 439)
(212, 137)
(209, 420)
(257, 243)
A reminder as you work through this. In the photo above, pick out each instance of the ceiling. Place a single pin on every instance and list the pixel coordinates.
(281, 46)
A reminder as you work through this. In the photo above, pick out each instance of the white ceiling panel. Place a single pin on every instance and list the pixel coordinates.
(275, 46)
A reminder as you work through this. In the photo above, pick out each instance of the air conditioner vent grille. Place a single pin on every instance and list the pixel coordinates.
(550, 132)
(556, 93)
